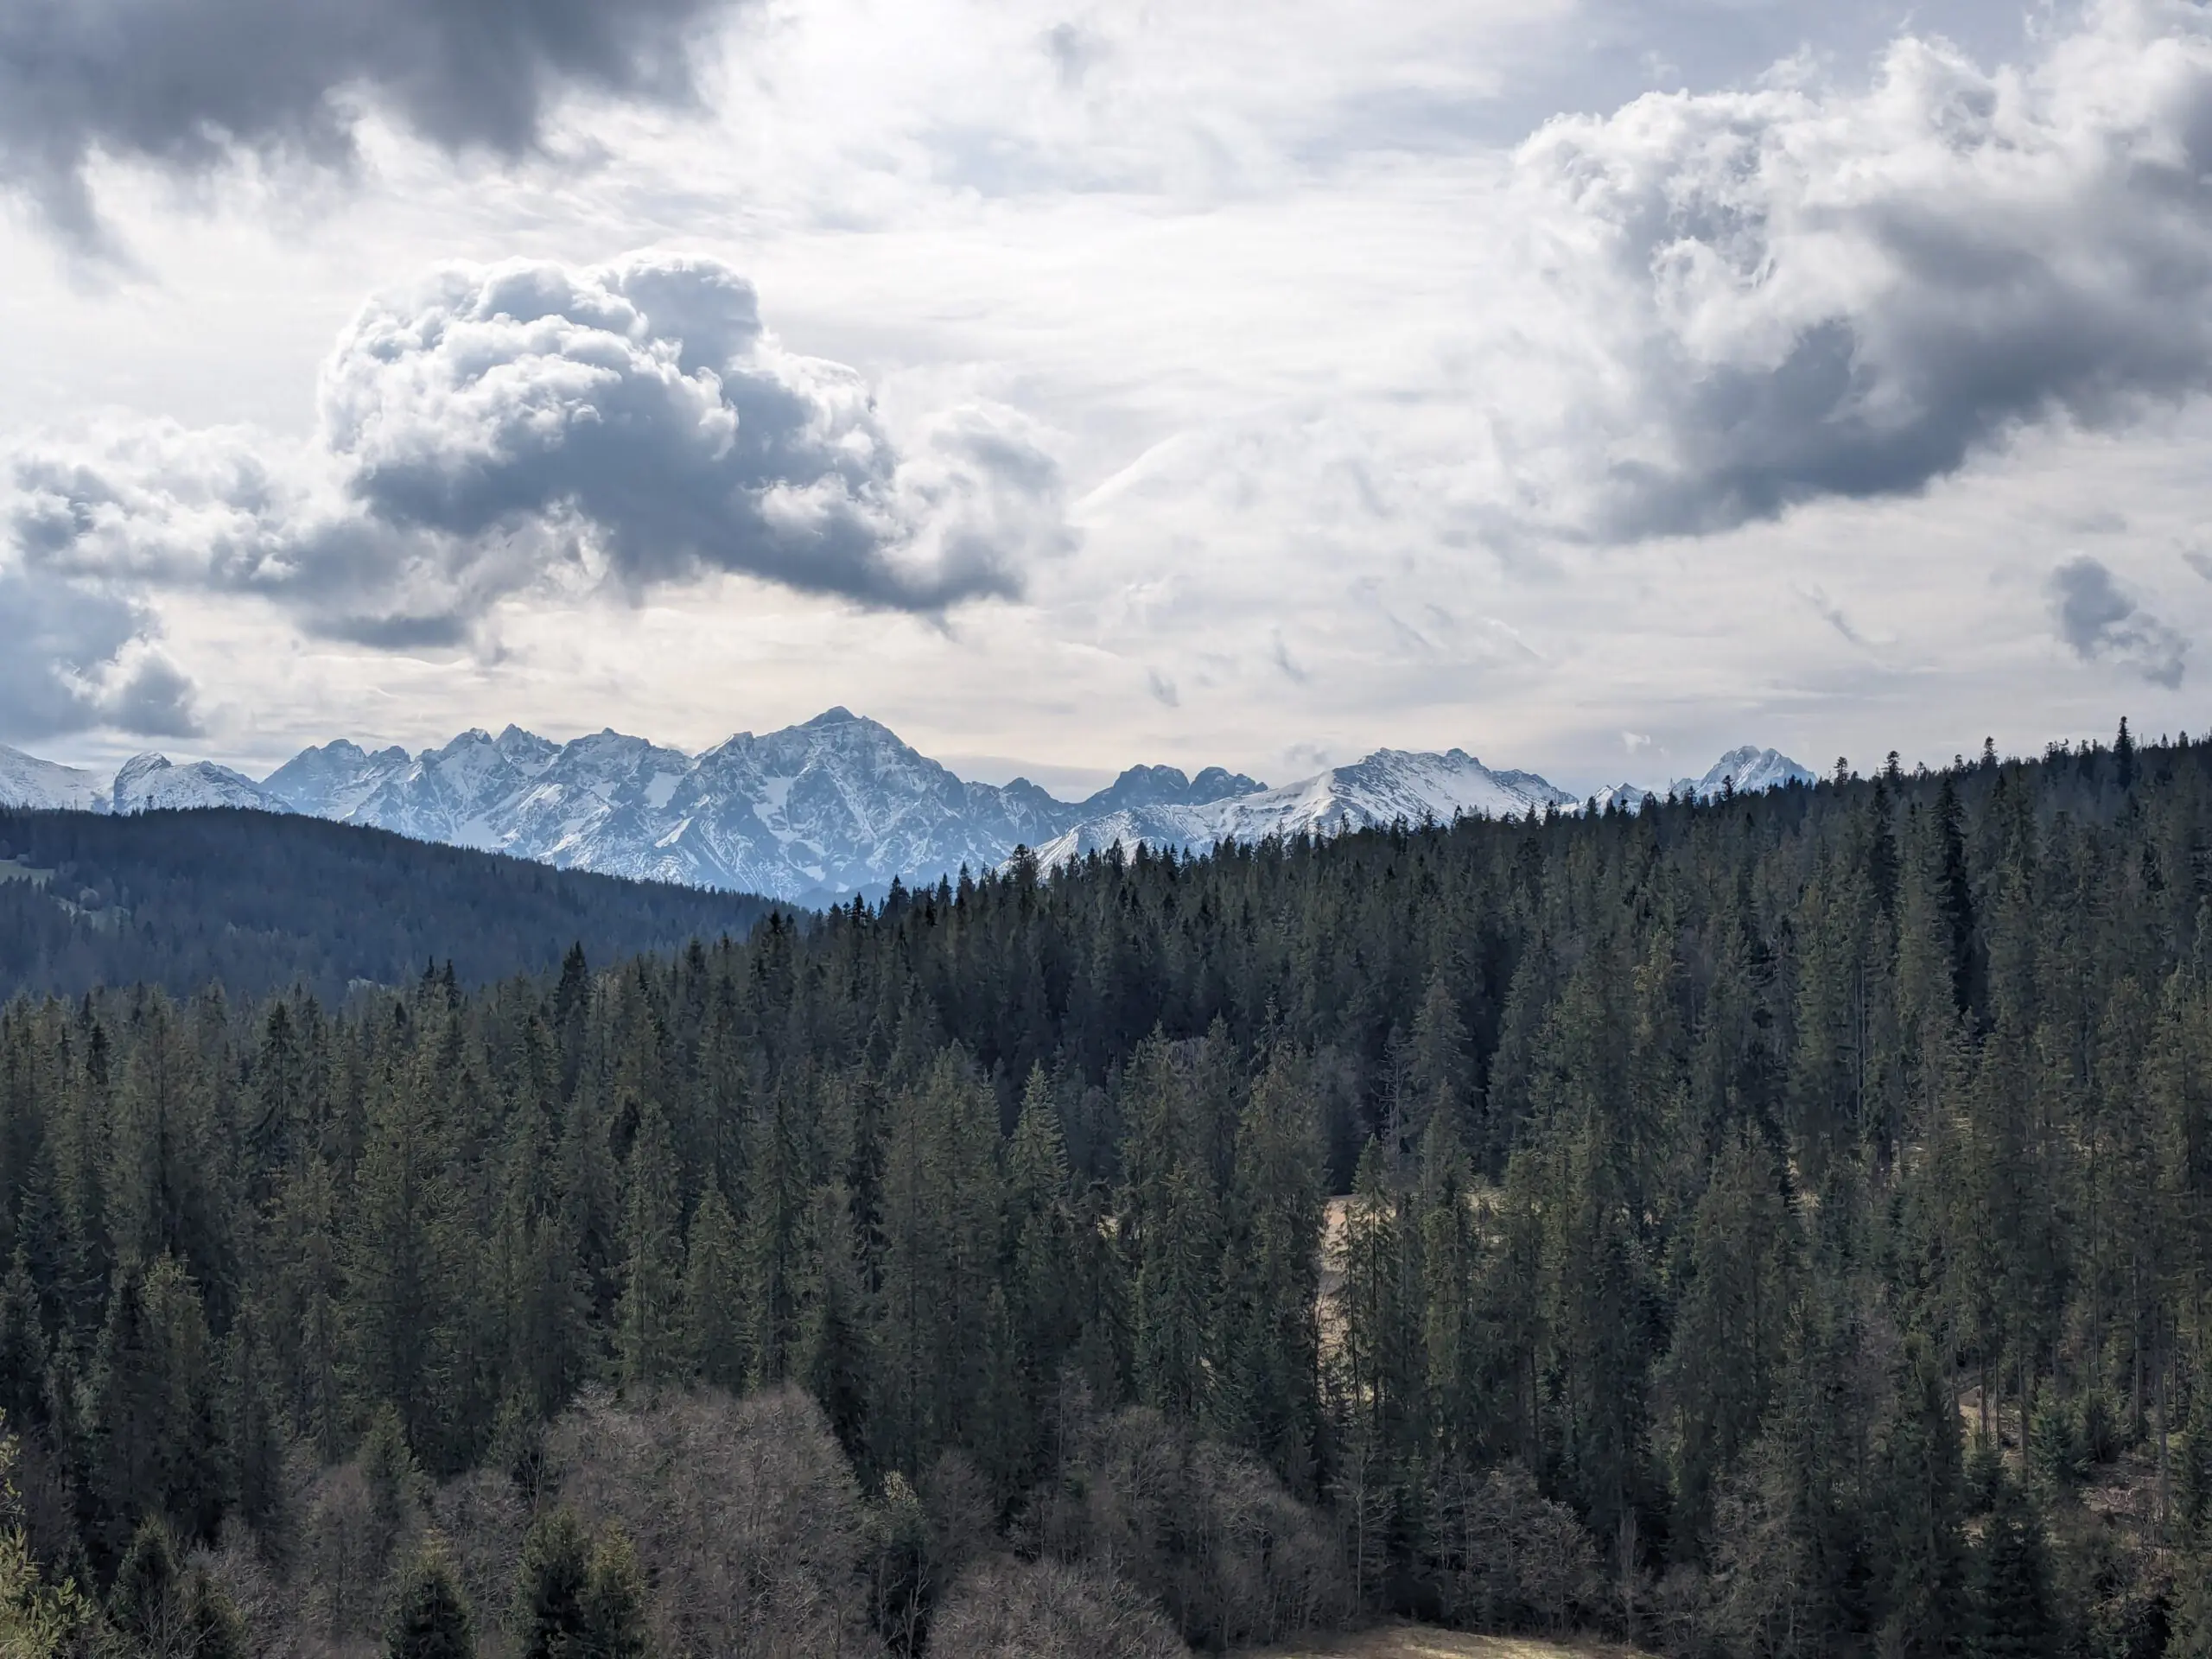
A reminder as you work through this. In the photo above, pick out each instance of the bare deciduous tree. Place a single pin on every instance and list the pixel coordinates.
(1210, 1531)
(747, 1508)
(1509, 1558)
(1004, 1609)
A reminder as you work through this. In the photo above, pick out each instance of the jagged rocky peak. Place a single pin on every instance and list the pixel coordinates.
(1141, 787)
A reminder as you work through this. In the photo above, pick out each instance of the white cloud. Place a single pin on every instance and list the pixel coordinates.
(1753, 412)
(525, 426)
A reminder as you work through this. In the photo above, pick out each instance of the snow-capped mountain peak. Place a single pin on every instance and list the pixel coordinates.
(149, 782)
(815, 813)
(1746, 771)
(26, 780)
(1386, 787)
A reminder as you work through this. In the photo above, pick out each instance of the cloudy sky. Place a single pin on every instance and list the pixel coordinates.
(1592, 385)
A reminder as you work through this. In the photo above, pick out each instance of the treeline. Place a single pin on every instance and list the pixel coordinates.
(1778, 1225)
(259, 902)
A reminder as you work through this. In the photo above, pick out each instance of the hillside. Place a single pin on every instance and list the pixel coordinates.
(257, 902)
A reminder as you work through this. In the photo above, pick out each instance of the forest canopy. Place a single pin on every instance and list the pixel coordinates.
(1777, 1224)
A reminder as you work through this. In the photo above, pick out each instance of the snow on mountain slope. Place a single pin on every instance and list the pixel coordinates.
(26, 780)
(811, 813)
(815, 813)
(333, 781)
(151, 783)
(1387, 785)
(1748, 769)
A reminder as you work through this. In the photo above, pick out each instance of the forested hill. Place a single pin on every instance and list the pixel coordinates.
(257, 902)
(1782, 1225)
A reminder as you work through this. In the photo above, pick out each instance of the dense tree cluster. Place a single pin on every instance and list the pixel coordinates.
(1774, 1225)
(260, 901)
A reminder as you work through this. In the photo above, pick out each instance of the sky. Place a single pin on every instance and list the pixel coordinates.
(1593, 385)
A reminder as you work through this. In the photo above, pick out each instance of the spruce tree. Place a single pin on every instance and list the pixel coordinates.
(552, 1615)
(713, 1295)
(650, 1313)
(1270, 1392)
(2011, 1582)
(614, 1601)
(430, 1616)
(1920, 1503)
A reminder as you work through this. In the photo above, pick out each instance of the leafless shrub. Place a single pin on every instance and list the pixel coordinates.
(1211, 1532)
(266, 1605)
(963, 1515)
(1507, 1557)
(349, 1544)
(746, 1509)
(1003, 1609)
(482, 1519)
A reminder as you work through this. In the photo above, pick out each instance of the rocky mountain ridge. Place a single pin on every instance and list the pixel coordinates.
(811, 814)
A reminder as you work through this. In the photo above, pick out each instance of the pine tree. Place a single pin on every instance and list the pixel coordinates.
(837, 1360)
(1270, 1392)
(773, 1223)
(1920, 1501)
(653, 1337)
(251, 1432)
(1452, 1328)
(430, 1616)
(614, 1601)
(23, 1345)
(552, 1615)
(1439, 1072)
(2011, 1583)
(1729, 1325)
(1383, 1366)
(147, 1599)
(214, 1628)
(399, 1256)
(714, 1293)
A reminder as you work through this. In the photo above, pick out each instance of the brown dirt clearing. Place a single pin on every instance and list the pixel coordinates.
(1418, 1641)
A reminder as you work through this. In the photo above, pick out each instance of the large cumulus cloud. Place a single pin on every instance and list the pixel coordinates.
(500, 428)
(1793, 292)
(184, 83)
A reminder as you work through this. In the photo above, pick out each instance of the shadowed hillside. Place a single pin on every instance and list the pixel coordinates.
(257, 902)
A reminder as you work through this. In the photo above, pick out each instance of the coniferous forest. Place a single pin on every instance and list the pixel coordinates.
(261, 901)
(1775, 1226)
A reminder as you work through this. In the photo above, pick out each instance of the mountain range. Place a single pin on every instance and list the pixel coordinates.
(812, 813)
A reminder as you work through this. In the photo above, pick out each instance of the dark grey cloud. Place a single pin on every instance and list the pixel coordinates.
(1807, 292)
(501, 427)
(185, 84)
(78, 658)
(2102, 623)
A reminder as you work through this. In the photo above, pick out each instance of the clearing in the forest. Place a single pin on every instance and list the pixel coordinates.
(1422, 1641)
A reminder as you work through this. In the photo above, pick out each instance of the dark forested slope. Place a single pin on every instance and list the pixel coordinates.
(257, 901)
(1776, 1226)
